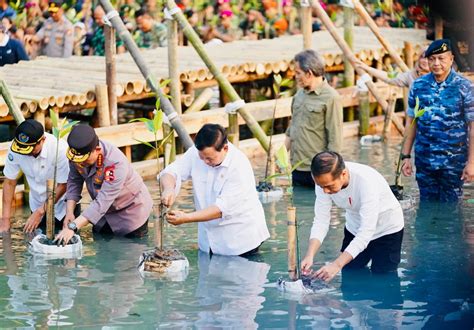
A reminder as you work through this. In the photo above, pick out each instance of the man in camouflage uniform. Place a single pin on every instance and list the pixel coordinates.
(150, 34)
(56, 36)
(97, 42)
(444, 134)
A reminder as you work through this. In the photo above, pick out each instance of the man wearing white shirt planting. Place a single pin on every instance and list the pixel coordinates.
(230, 215)
(374, 218)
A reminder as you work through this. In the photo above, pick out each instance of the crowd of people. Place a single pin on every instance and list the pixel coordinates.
(58, 29)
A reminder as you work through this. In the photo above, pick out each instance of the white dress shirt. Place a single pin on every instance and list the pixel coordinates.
(231, 187)
(38, 170)
(372, 211)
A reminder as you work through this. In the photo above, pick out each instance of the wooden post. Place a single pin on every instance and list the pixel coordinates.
(221, 79)
(200, 101)
(307, 24)
(359, 8)
(111, 72)
(174, 85)
(349, 73)
(409, 54)
(12, 105)
(146, 72)
(388, 116)
(364, 113)
(323, 16)
(40, 117)
(292, 264)
(438, 25)
(50, 209)
(127, 150)
(102, 105)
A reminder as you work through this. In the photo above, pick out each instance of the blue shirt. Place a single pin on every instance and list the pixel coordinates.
(8, 12)
(441, 133)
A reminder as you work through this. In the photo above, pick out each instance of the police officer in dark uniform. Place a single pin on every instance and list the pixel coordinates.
(57, 34)
(444, 133)
(121, 203)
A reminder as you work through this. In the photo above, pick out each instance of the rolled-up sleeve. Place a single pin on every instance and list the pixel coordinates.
(75, 182)
(180, 168)
(334, 119)
(12, 169)
(322, 215)
(369, 213)
(108, 193)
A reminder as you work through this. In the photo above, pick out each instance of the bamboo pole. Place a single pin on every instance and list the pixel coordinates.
(292, 264)
(50, 209)
(348, 53)
(364, 112)
(349, 74)
(200, 101)
(359, 8)
(111, 73)
(102, 105)
(12, 105)
(388, 116)
(40, 117)
(174, 85)
(409, 54)
(307, 25)
(223, 82)
(150, 78)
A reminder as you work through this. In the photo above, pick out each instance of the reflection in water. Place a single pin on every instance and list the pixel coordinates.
(229, 291)
(434, 287)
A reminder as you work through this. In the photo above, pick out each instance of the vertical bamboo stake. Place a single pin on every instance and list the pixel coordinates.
(292, 268)
(146, 72)
(40, 117)
(323, 16)
(359, 8)
(111, 73)
(102, 105)
(175, 92)
(409, 54)
(438, 21)
(364, 112)
(307, 24)
(12, 105)
(50, 209)
(200, 101)
(349, 74)
(221, 79)
(388, 116)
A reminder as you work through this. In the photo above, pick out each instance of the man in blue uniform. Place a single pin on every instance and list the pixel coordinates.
(444, 134)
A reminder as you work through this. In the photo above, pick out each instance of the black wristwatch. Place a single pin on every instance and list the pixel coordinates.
(403, 156)
(72, 225)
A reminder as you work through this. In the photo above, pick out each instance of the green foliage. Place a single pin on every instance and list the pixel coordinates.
(419, 112)
(283, 163)
(61, 127)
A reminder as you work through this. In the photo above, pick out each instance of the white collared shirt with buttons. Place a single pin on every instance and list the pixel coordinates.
(38, 170)
(231, 187)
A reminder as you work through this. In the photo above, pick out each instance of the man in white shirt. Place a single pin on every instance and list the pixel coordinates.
(374, 217)
(230, 215)
(33, 153)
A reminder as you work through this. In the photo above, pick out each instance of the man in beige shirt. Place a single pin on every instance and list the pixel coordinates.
(317, 116)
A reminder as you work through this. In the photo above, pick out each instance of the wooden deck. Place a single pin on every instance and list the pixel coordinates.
(69, 84)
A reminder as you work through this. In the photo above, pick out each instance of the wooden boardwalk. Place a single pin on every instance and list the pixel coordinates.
(70, 83)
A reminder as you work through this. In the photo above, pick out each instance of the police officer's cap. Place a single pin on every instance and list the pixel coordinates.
(438, 47)
(27, 135)
(82, 141)
(54, 5)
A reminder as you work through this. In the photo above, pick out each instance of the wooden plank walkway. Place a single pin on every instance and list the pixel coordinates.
(70, 83)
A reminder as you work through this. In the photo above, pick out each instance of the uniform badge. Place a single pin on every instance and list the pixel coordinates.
(23, 138)
(109, 173)
(100, 160)
(10, 157)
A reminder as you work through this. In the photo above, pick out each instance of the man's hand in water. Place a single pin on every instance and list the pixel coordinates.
(327, 273)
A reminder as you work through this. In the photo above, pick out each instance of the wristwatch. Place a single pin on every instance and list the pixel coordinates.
(72, 225)
(403, 156)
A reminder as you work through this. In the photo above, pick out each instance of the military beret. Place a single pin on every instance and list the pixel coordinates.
(438, 47)
(82, 141)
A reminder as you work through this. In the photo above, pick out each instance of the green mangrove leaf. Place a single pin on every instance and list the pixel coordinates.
(145, 143)
(165, 140)
(148, 123)
(158, 103)
(276, 89)
(157, 120)
(54, 117)
(277, 80)
(56, 132)
(287, 83)
(282, 158)
(165, 83)
(276, 175)
(289, 190)
(298, 164)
